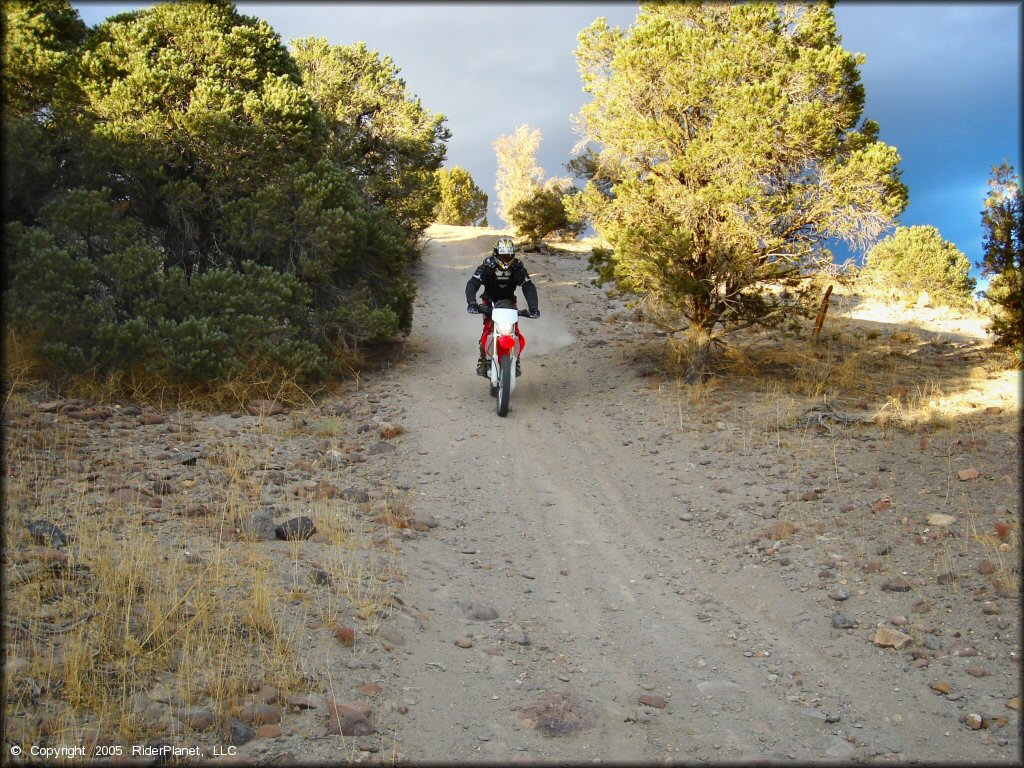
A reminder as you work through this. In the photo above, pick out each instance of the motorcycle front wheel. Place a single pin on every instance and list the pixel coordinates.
(504, 385)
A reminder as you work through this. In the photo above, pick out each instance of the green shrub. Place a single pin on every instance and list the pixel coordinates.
(462, 203)
(543, 213)
(916, 259)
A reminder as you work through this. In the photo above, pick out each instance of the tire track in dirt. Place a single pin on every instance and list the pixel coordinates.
(563, 516)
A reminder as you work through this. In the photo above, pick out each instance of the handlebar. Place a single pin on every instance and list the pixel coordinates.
(485, 309)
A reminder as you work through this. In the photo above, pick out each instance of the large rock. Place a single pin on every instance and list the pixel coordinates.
(352, 718)
(260, 526)
(260, 714)
(265, 407)
(238, 732)
(888, 637)
(296, 528)
(45, 532)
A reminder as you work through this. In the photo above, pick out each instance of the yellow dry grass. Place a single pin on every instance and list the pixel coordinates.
(170, 601)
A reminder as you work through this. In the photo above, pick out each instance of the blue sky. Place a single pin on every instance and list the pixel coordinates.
(942, 79)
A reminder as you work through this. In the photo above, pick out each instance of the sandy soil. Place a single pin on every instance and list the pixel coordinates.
(622, 536)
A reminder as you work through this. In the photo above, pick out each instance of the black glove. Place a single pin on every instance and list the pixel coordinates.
(473, 308)
(534, 312)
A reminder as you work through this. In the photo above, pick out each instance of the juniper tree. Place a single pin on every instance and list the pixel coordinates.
(461, 202)
(731, 144)
(1003, 222)
(519, 176)
(916, 259)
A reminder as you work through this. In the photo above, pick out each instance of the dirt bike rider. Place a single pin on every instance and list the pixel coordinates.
(500, 274)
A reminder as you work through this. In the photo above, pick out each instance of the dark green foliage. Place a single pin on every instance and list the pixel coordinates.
(916, 259)
(378, 128)
(1003, 222)
(461, 202)
(184, 196)
(94, 294)
(543, 213)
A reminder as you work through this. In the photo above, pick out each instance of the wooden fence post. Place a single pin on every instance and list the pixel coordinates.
(821, 313)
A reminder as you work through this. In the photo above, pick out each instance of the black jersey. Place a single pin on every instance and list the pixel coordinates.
(501, 283)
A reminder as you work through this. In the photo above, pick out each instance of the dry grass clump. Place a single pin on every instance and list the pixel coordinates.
(139, 599)
(258, 381)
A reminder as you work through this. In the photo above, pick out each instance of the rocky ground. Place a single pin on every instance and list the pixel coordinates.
(621, 570)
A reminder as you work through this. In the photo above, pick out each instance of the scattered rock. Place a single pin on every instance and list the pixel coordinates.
(890, 637)
(265, 407)
(260, 714)
(964, 650)
(838, 594)
(1014, 703)
(478, 611)
(45, 532)
(197, 718)
(295, 529)
(990, 609)
(237, 732)
(268, 694)
(920, 606)
(259, 526)
(896, 584)
(425, 518)
(463, 642)
(350, 718)
(355, 495)
(151, 418)
(840, 621)
(978, 672)
(968, 474)
(941, 520)
(269, 731)
(985, 568)
(379, 448)
(941, 687)
(653, 700)
(306, 701)
(946, 577)
(973, 721)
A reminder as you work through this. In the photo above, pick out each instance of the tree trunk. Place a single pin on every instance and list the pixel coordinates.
(697, 353)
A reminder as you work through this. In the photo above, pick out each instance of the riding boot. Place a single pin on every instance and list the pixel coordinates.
(481, 364)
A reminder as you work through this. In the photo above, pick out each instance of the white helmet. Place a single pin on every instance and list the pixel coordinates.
(504, 250)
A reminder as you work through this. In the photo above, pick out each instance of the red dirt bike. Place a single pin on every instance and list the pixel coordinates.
(503, 344)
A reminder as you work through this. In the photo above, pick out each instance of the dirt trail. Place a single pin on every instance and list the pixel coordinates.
(610, 531)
